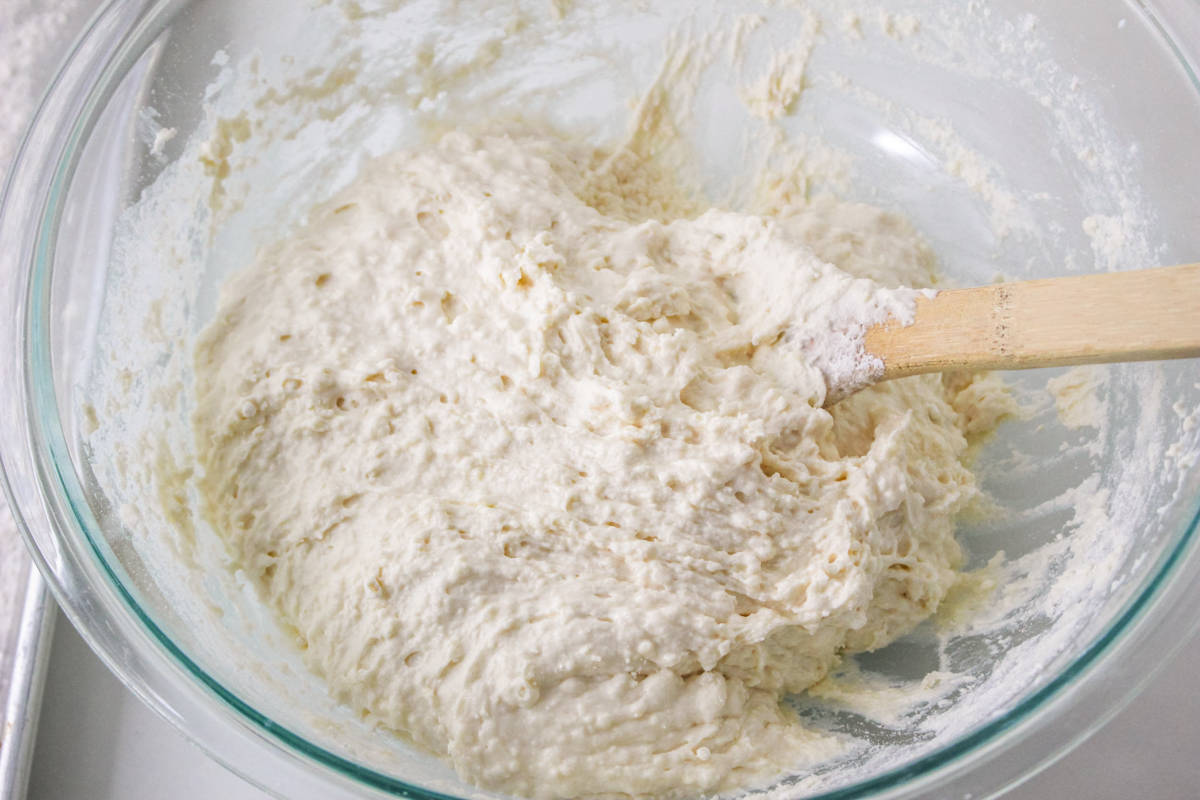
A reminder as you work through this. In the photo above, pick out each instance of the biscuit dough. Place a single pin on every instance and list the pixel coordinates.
(538, 471)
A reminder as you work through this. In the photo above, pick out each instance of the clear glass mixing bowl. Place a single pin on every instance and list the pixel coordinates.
(1021, 138)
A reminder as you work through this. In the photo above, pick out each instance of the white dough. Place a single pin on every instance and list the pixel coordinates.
(544, 483)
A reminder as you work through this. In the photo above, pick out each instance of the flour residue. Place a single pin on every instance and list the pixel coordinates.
(1078, 396)
(775, 92)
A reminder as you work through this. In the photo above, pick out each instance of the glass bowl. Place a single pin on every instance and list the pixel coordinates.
(1022, 140)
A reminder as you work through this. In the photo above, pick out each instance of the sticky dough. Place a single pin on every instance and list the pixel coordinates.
(541, 477)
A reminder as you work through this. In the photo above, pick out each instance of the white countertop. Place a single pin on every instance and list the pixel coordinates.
(98, 742)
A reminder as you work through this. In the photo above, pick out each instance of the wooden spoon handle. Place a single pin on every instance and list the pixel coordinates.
(1091, 319)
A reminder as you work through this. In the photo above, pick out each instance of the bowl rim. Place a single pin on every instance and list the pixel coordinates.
(40, 468)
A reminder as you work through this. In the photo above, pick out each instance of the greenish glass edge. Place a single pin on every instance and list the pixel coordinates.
(1169, 40)
(43, 409)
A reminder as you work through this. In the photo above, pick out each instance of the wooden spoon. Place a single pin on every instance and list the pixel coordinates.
(1139, 315)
